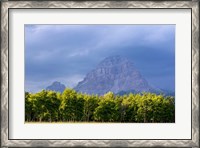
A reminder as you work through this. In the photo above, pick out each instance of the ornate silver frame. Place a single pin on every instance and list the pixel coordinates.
(193, 5)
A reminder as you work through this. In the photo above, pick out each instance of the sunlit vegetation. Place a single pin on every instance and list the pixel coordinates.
(71, 106)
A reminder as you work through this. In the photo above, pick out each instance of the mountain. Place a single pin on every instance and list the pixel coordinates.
(116, 74)
(56, 86)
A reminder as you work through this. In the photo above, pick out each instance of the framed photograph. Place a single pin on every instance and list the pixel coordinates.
(100, 74)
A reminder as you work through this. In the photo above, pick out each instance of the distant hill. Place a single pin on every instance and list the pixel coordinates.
(164, 92)
(116, 74)
(56, 86)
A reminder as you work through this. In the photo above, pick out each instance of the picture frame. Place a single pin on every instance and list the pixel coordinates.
(6, 59)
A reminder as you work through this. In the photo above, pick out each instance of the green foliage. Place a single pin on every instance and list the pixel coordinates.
(107, 110)
(130, 107)
(90, 104)
(70, 106)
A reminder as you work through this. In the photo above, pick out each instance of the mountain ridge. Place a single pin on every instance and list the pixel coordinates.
(116, 74)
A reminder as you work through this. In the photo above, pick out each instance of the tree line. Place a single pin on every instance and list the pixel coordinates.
(71, 106)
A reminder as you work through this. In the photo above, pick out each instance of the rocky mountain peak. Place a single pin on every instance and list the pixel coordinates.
(114, 74)
(113, 60)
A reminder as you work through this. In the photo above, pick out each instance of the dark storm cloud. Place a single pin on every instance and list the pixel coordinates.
(67, 53)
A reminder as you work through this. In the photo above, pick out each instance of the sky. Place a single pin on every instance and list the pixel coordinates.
(66, 53)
